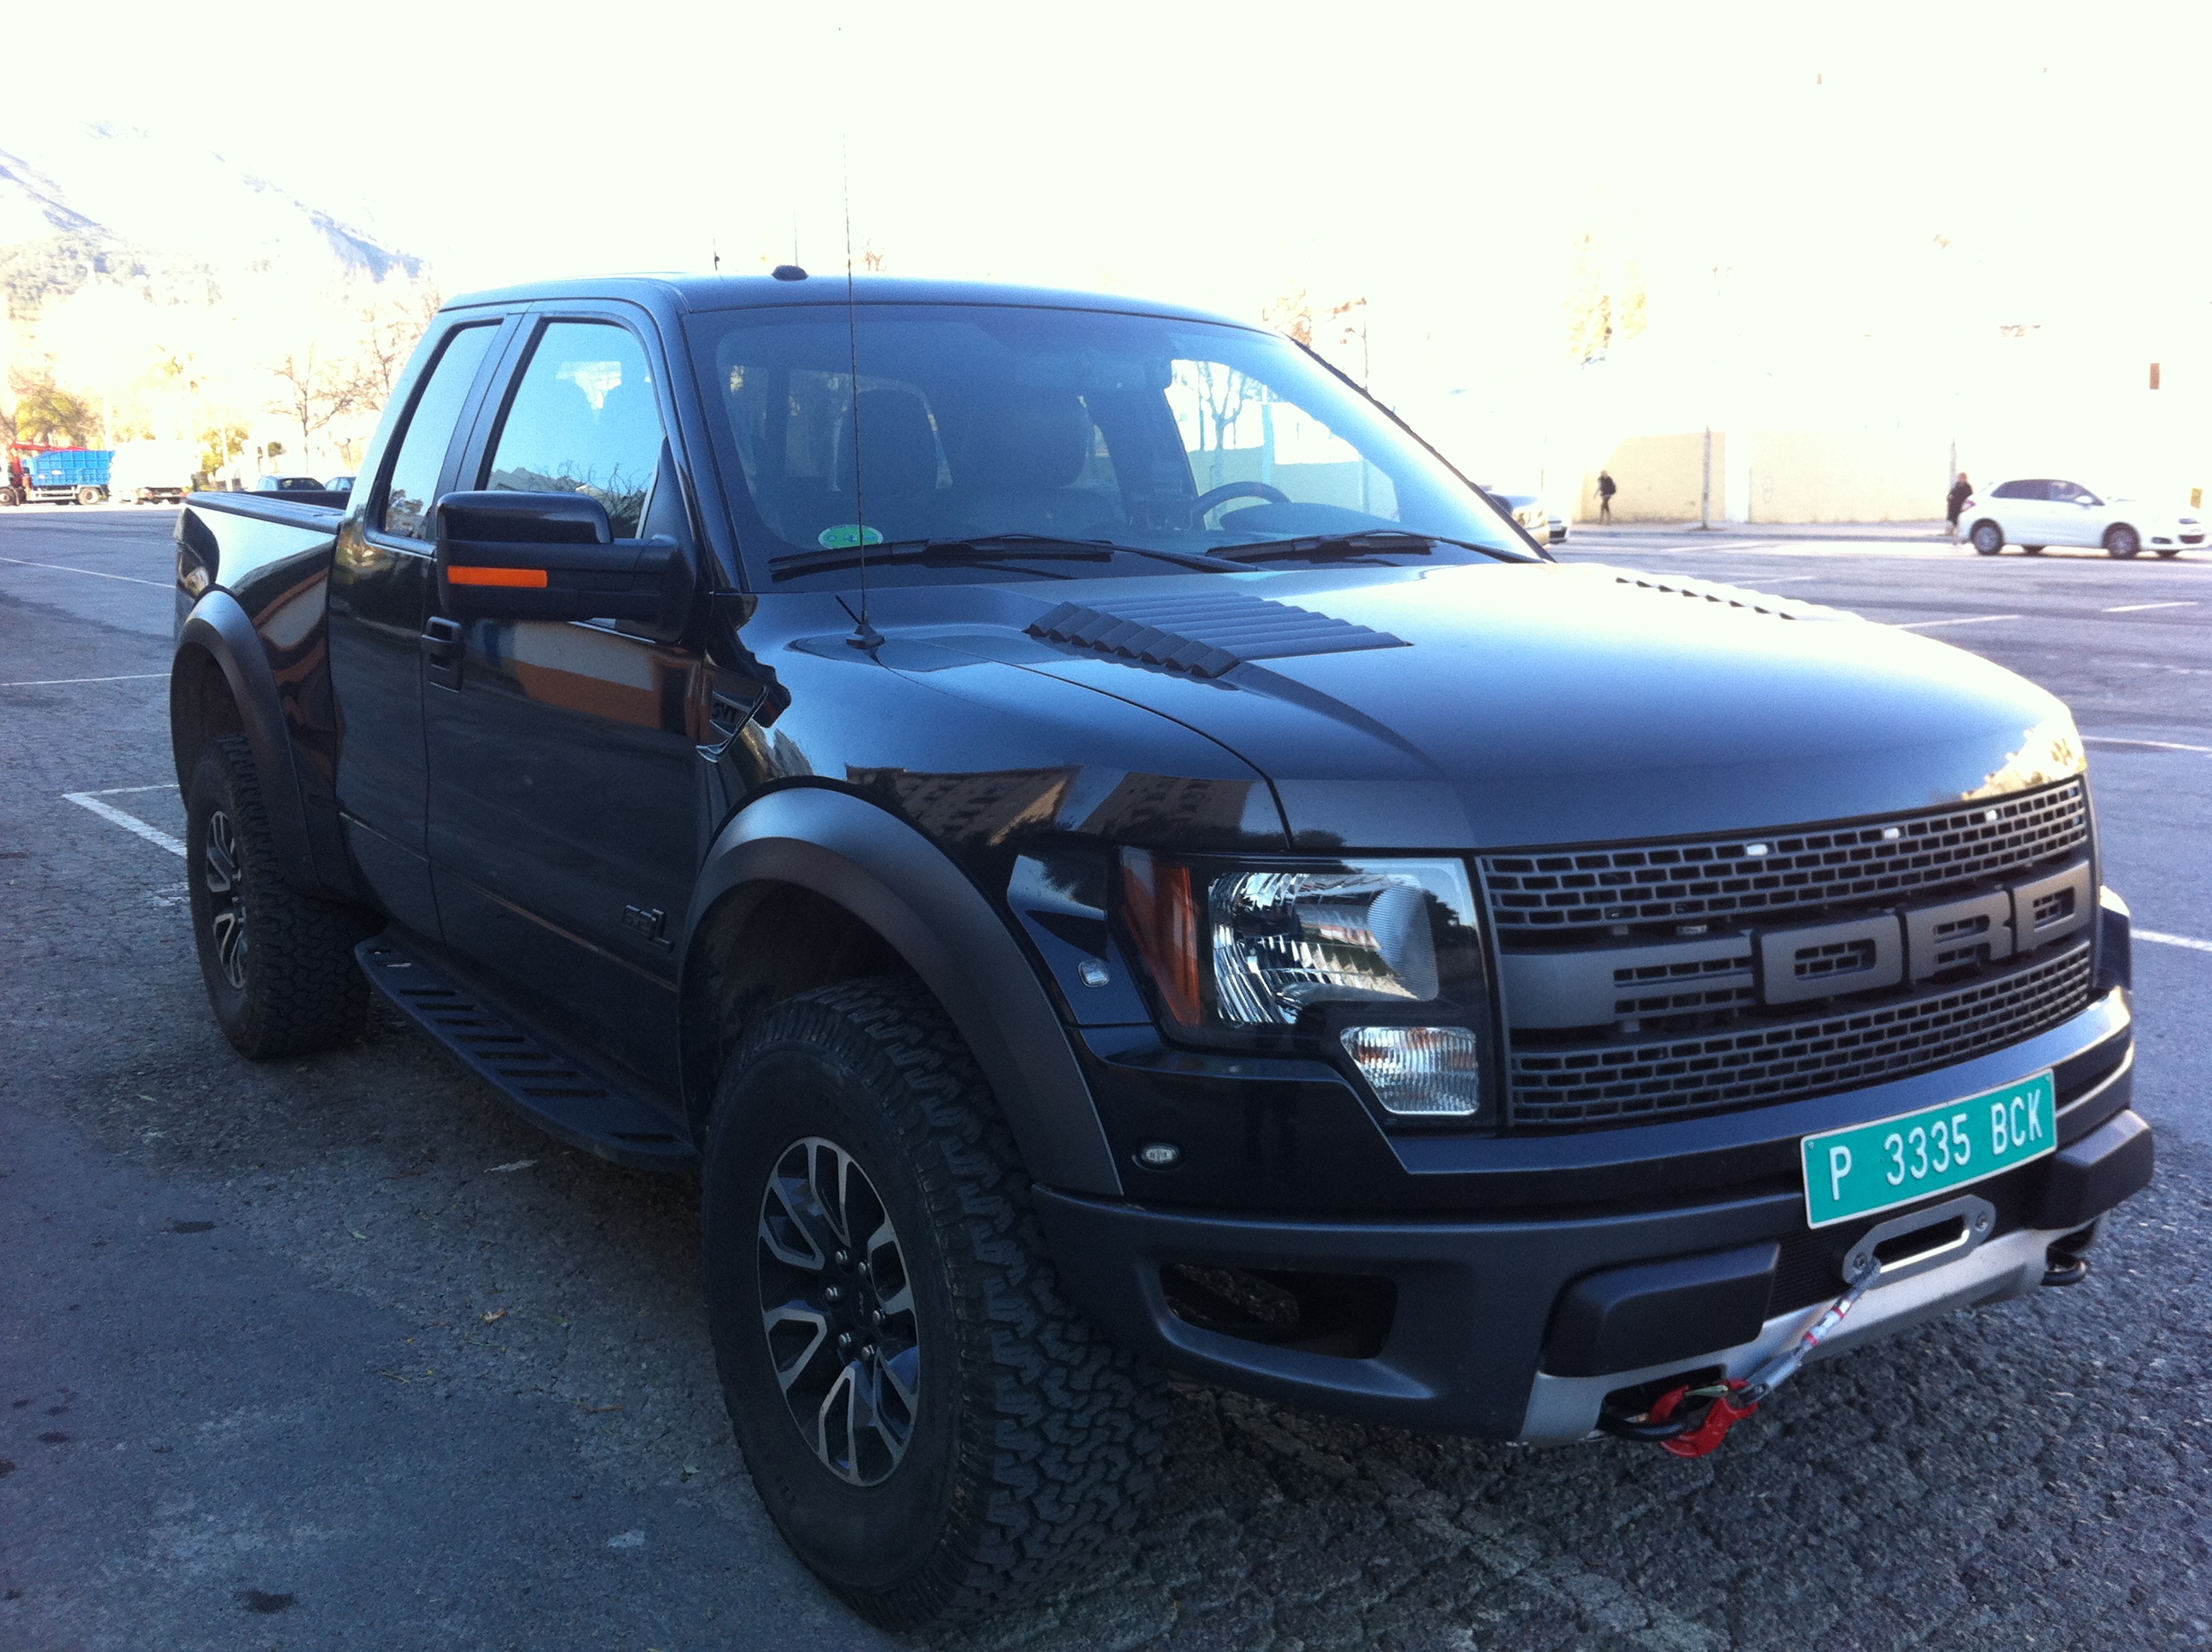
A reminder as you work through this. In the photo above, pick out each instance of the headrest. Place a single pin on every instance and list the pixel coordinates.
(1027, 441)
(898, 448)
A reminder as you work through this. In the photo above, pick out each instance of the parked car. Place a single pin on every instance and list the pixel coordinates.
(287, 484)
(1079, 916)
(1557, 528)
(339, 484)
(2034, 513)
(1528, 509)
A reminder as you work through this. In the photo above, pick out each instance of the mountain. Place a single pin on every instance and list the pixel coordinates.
(172, 290)
(118, 203)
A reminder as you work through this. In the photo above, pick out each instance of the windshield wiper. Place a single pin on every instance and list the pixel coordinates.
(1328, 546)
(985, 548)
(979, 547)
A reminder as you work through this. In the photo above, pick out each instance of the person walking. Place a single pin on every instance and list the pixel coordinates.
(1955, 501)
(1606, 490)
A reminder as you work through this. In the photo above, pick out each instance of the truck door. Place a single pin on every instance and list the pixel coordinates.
(563, 762)
(382, 588)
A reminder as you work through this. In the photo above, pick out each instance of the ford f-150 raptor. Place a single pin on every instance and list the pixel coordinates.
(1106, 855)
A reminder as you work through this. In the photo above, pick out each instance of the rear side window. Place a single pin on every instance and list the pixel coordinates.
(583, 421)
(2017, 490)
(437, 409)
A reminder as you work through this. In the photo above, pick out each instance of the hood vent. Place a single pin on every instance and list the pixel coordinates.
(1206, 635)
(1734, 596)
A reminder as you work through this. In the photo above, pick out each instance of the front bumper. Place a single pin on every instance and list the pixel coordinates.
(1472, 1338)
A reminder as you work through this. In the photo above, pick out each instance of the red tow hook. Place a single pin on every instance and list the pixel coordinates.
(1738, 1397)
(1705, 1438)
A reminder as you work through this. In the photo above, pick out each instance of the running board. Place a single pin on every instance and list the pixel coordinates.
(554, 1091)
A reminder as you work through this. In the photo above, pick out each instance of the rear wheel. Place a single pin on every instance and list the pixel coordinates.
(2121, 541)
(87, 495)
(1988, 538)
(933, 1427)
(278, 964)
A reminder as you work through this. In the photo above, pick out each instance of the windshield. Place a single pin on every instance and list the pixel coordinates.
(999, 443)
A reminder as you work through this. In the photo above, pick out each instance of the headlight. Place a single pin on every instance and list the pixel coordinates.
(1376, 962)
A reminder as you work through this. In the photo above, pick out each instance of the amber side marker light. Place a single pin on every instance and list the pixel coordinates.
(1163, 917)
(529, 578)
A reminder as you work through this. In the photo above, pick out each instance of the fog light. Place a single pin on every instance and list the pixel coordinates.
(1428, 1071)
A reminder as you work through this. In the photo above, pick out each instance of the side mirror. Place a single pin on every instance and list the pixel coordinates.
(553, 557)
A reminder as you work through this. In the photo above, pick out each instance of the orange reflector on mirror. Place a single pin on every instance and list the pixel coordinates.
(531, 578)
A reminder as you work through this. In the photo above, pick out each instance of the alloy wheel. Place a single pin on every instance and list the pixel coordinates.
(838, 1312)
(224, 873)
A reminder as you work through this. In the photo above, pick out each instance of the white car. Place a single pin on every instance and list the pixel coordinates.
(2035, 512)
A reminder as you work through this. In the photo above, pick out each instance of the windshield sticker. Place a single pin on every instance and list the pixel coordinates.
(846, 534)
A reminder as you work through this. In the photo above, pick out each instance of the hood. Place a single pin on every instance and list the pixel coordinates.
(1509, 704)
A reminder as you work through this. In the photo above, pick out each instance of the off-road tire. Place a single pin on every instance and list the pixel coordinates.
(1988, 539)
(297, 988)
(2121, 541)
(1032, 1434)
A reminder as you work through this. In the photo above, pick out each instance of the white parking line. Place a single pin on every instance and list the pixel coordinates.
(1977, 619)
(59, 682)
(2154, 746)
(2145, 607)
(64, 568)
(2190, 942)
(129, 823)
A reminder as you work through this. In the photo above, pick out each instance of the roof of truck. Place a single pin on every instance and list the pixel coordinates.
(707, 292)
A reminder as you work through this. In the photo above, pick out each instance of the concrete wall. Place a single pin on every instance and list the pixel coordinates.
(1844, 475)
(1659, 478)
(1778, 475)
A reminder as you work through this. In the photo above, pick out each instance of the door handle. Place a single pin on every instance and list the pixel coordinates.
(443, 642)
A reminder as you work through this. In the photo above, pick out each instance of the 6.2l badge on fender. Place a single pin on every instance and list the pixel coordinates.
(1872, 1168)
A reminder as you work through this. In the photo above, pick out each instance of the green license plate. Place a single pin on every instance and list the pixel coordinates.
(1872, 1168)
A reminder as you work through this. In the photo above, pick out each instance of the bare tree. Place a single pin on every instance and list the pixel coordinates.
(389, 330)
(315, 392)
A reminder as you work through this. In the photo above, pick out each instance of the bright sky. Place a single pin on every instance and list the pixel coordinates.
(1781, 174)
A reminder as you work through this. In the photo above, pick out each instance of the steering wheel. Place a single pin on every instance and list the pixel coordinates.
(1229, 491)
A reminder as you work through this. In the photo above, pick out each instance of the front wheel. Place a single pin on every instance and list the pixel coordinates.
(933, 1427)
(1988, 538)
(278, 964)
(2121, 541)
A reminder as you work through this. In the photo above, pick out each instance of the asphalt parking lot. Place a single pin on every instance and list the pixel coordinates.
(339, 1353)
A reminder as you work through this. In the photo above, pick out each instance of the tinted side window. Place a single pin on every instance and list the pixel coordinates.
(583, 421)
(429, 431)
(2011, 491)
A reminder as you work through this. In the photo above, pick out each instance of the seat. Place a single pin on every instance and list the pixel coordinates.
(1024, 452)
(899, 464)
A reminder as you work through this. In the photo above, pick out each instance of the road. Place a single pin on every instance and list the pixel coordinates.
(339, 1353)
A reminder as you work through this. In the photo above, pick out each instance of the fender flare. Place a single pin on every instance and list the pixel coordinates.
(908, 891)
(220, 627)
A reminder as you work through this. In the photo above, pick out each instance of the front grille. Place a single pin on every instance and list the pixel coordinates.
(1748, 1064)
(1760, 874)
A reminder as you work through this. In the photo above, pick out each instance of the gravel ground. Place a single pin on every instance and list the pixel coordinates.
(338, 1352)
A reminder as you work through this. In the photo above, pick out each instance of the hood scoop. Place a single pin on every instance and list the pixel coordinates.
(1205, 636)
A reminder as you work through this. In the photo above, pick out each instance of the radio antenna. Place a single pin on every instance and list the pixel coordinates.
(865, 635)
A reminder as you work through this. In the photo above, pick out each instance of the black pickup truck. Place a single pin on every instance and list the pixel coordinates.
(1106, 855)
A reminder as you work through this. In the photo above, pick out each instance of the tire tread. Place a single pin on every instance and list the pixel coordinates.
(304, 991)
(1064, 1446)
